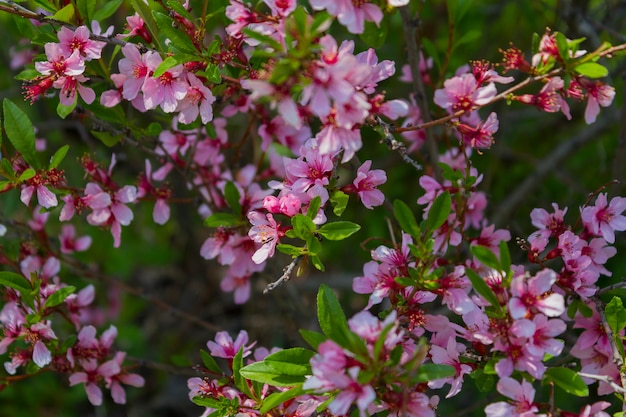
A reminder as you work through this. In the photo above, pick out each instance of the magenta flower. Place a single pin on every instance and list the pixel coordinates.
(522, 395)
(198, 101)
(535, 293)
(463, 93)
(166, 90)
(265, 231)
(481, 135)
(137, 68)
(598, 94)
(60, 64)
(605, 218)
(78, 40)
(365, 182)
(224, 347)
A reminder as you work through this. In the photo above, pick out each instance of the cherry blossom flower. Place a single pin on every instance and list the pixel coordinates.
(598, 94)
(225, 347)
(449, 356)
(604, 218)
(70, 243)
(463, 93)
(92, 374)
(522, 395)
(535, 294)
(265, 231)
(365, 182)
(197, 101)
(78, 40)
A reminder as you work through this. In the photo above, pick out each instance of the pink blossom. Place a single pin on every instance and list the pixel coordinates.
(365, 182)
(115, 382)
(603, 218)
(78, 40)
(534, 293)
(449, 356)
(137, 27)
(481, 135)
(70, 243)
(598, 94)
(463, 93)
(165, 90)
(60, 64)
(224, 347)
(522, 394)
(281, 7)
(45, 197)
(92, 375)
(137, 68)
(265, 231)
(239, 285)
(350, 14)
(197, 101)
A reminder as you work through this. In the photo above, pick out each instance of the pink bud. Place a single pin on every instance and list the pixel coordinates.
(290, 205)
(271, 204)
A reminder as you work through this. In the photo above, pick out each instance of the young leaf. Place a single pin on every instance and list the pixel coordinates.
(332, 320)
(338, 230)
(231, 194)
(166, 64)
(223, 219)
(290, 249)
(505, 256)
(107, 138)
(486, 256)
(66, 14)
(439, 211)
(374, 35)
(240, 382)
(20, 132)
(65, 110)
(15, 281)
(107, 9)
(59, 296)
(431, 371)
(27, 174)
(207, 402)
(58, 156)
(283, 368)
(317, 262)
(303, 226)
(277, 398)
(210, 363)
(314, 207)
(86, 9)
(561, 44)
(313, 245)
(339, 201)
(405, 217)
(296, 355)
(615, 314)
(592, 70)
(481, 287)
(568, 380)
(312, 338)
(177, 38)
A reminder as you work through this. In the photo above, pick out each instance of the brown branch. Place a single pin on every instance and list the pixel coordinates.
(287, 271)
(394, 144)
(413, 52)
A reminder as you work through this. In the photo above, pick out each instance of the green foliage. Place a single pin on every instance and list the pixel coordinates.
(20, 132)
(568, 380)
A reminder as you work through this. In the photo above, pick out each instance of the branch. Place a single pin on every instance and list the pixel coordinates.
(11, 7)
(287, 271)
(548, 164)
(603, 378)
(394, 144)
(413, 52)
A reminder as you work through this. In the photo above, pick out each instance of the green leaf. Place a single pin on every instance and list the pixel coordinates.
(20, 132)
(339, 201)
(27, 174)
(16, 281)
(561, 44)
(481, 287)
(486, 256)
(86, 9)
(107, 9)
(615, 315)
(277, 398)
(66, 14)
(231, 194)
(432, 371)
(145, 12)
(405, 218)
(290, 249)
(331, 317)
(207, 402)
(283, 368)
(223, 219)
(59, 296)
(592, 70)
(505, 256)
(338, 230)
(166, 64)
(374, 36)
(180, 9)
(568, 380)
(313, 245)
(58, 156)
(63, 110)
(240, 382)
(468, 37)
(439, 211)
(264, 39)
(107, 138)
(312, 338)
(212, 74)
(210, 363)
(303, 226)
(317, 262)
(177, 38)
(314, 207)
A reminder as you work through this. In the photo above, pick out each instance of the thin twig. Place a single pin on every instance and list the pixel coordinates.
(603, 378)
(413, 52)
(394, 144)
(287, 271)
